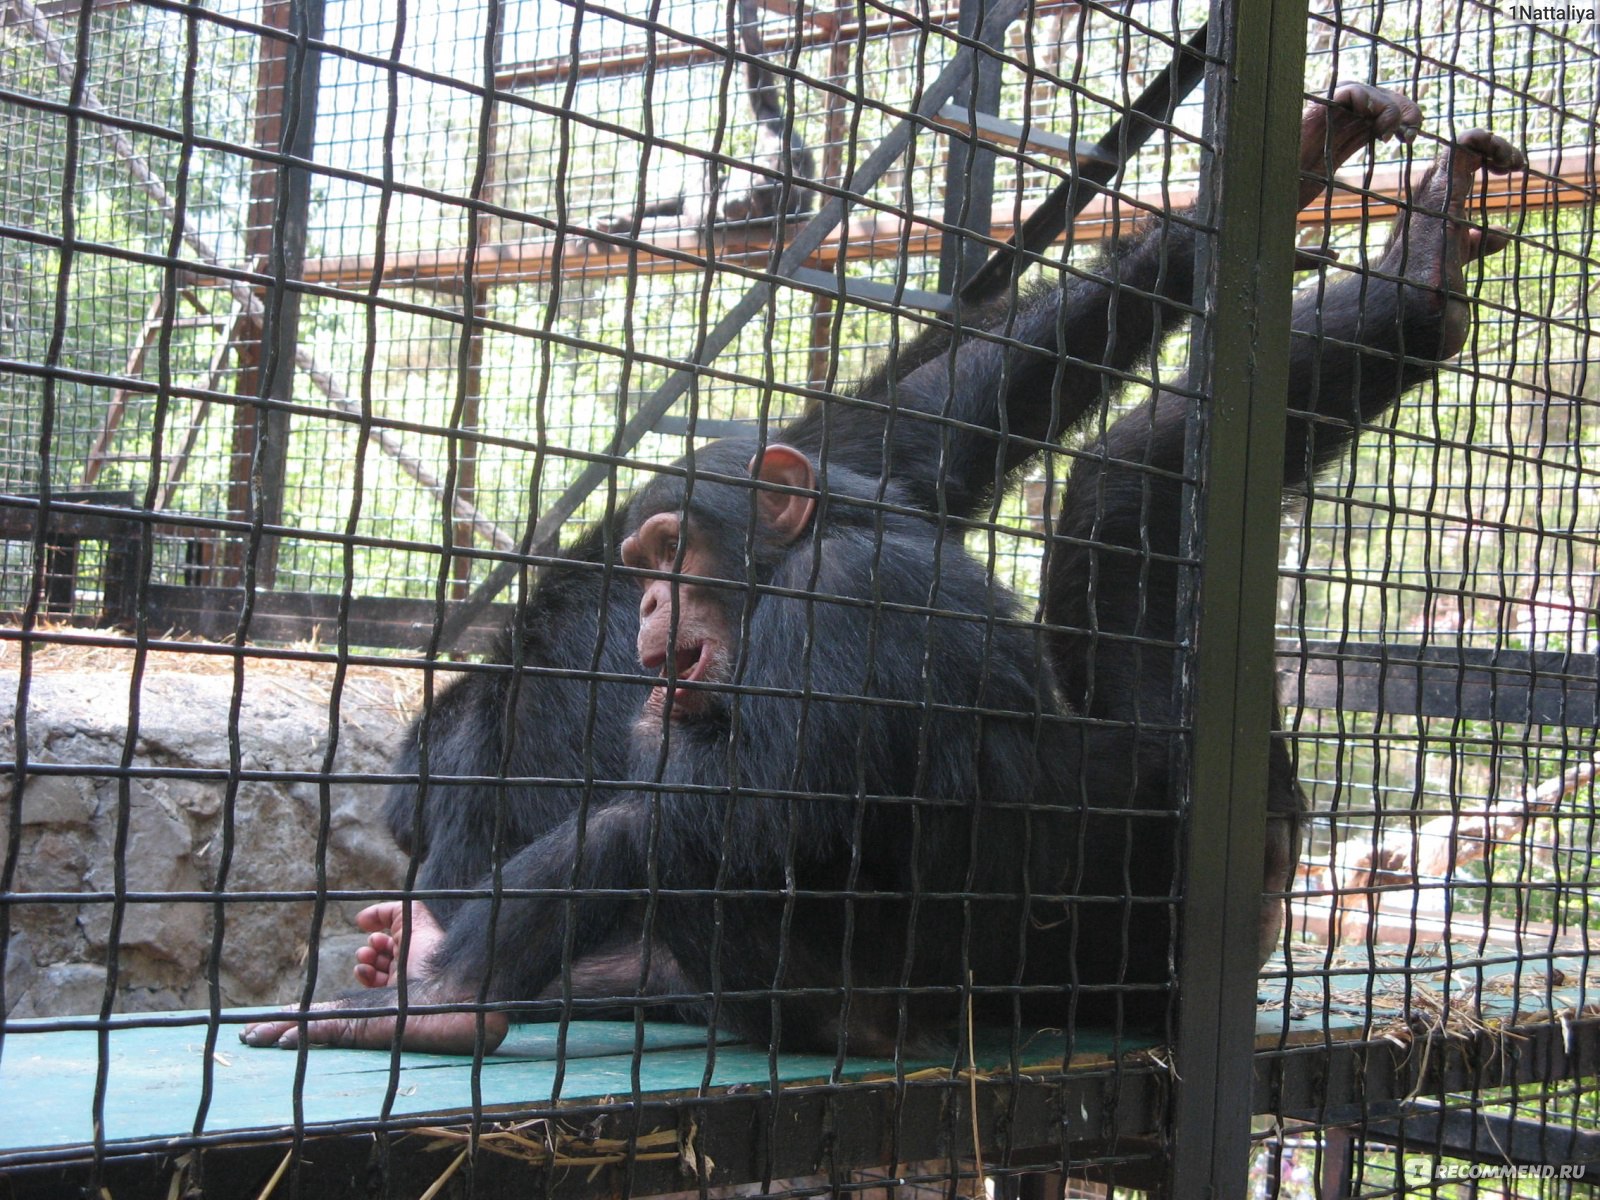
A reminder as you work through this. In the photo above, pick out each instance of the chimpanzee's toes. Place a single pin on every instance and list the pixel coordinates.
(1389, 113)
(1492, 151)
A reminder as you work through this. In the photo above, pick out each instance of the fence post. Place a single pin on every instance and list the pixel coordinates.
(969, 169)
(1240, 355)
(280, 199)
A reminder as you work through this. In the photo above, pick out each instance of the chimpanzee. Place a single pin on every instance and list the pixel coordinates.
(784, 166)
(805, 726)
(808, 737)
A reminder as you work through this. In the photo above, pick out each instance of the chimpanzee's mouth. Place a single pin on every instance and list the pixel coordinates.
(688, 664)
(690, 661)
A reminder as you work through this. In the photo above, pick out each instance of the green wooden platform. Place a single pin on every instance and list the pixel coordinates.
(1355, 992)
(1336, 1028)
(157, 1072)
(154, 1084)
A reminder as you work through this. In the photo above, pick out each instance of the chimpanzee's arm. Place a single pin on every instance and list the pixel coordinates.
(525, 955)
(1358, 344)
(1027, 370)
(1364, 341)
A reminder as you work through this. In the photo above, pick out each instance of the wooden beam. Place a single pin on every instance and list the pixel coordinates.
(100, 449)
(1488, 1138)
(1556, 179)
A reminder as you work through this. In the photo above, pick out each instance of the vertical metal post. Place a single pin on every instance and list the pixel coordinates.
(1241, 352)
(478, 315)
(969, 170)
(838, 128)
(280, 201)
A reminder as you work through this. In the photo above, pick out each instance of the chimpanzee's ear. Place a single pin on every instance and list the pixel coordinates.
(786, 514)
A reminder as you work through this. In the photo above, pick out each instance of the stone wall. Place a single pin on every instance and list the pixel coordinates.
(176, 835)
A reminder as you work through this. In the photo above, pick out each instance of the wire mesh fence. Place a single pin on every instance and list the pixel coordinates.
(1437, 597)
(682, 545)
(462, 199)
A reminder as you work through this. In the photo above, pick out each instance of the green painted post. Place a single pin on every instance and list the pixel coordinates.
(1241, 351)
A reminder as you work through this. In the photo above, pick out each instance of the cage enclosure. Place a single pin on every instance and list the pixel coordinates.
(992, 599)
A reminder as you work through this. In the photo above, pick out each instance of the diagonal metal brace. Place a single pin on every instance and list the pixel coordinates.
(1127, 136)
(541, 536)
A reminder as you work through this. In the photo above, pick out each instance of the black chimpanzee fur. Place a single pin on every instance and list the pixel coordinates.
(1022, 773)
(994, 797)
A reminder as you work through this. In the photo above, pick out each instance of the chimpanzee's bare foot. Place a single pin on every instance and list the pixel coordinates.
(382, 960)
(1432, 239)
(429, 1033)
(1357, 115)
(391, 951)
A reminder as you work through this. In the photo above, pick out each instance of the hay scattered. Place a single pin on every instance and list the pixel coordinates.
(1433, 991)
(543, 1142)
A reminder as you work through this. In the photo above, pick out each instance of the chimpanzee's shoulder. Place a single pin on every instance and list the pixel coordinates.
(899, 561)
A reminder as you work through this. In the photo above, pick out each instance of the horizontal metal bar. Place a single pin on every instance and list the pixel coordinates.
(1469, 683)
(389, 622)
(1029, 140)
(853, 288)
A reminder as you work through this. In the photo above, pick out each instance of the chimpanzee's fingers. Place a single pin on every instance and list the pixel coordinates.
(1494, 153)
(1389, 113)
